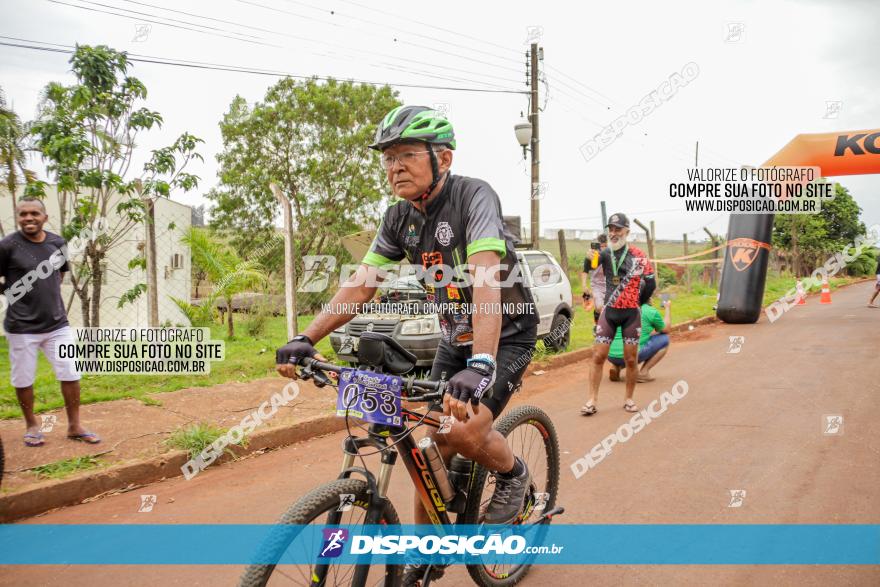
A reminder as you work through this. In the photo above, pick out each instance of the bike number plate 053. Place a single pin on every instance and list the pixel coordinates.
(371, 397)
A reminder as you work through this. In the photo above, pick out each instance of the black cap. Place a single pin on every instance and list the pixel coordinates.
(619, 220)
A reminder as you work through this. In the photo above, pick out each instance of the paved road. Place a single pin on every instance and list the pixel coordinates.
(751, 421)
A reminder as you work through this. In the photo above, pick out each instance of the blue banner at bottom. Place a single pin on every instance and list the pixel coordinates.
(555, 544)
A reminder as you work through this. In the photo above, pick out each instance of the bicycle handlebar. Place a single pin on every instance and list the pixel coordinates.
(434, 389)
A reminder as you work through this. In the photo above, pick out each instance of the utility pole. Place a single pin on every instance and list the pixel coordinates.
(604, 215)
(533, 119)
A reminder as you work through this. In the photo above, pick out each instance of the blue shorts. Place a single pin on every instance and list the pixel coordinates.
(654, 345)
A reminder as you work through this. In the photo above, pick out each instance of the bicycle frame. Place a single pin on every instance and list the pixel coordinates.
(422, 478)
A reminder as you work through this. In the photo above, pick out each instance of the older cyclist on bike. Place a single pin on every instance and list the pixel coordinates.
(448, 221)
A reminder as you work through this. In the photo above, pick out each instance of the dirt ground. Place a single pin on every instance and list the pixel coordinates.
(753, 420)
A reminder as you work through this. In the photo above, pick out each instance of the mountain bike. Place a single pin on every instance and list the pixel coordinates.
(462, 489)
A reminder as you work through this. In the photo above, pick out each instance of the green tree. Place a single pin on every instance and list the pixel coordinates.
(87, 135)
(812, 237)
(228, 272)
(310, 138)
(13, 146)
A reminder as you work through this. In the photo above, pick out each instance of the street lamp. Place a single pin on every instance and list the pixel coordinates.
(523, 132)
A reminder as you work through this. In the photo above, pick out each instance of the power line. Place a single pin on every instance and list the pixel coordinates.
(421, 35)
(466, 57)
(289, 35)
(165, 17)
(580, 83)
(425, 24)
(140, 19)
(241, 69)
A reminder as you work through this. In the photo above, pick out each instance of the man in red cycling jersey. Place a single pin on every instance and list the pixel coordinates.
(625, 267)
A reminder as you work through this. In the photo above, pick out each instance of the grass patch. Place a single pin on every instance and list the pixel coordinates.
(61, 469)
(247, 358)
(196, 437)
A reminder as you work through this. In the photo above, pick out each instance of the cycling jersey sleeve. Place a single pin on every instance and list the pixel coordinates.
(485, 228)
(385, 251)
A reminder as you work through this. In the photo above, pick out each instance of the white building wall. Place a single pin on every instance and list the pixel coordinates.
(173, 219)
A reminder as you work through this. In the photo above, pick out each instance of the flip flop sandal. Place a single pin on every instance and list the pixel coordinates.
(630, 406)
(588, 410)
(87, 437)
(37, 439)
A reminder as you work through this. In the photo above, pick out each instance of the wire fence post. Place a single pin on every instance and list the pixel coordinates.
(687, 268)
(649, 236)
(714, 274)
(563, 252)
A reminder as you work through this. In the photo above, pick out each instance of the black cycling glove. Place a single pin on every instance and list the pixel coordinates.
(298, 348)
(471, 383)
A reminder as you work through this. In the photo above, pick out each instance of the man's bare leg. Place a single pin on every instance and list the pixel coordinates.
(652, 362)
(874, 297)
(475, 440)
(26, 401)
(70, 391)
(631, 358)
(597, 362)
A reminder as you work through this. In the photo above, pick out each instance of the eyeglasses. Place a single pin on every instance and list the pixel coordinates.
(406, 159)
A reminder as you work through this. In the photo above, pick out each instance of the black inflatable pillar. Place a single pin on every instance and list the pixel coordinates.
(745, 268)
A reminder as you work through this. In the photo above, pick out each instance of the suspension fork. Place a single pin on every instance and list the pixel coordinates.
(377, 489)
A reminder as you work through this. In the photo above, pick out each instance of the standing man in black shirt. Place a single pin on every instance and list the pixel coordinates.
(32, 263)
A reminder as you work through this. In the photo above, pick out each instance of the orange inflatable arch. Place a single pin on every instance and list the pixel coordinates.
(853, 152)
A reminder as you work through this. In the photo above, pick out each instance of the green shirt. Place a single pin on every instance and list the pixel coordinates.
(651, 321)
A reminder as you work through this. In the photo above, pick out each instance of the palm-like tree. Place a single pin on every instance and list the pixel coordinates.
(228, 272)
(13, 135)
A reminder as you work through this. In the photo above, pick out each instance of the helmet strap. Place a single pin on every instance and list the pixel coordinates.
(435, 173)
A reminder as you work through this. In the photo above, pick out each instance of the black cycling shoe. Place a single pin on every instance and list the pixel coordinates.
(413, 574)
(509, 497)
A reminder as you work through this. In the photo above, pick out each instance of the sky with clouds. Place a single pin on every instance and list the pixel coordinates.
(767, 72)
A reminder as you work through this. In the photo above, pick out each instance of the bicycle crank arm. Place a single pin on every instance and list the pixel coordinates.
(547, 517)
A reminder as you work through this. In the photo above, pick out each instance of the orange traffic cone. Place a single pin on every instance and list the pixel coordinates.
(826, 292)
(801, 294)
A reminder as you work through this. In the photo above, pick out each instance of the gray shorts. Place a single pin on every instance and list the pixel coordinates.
(23, 356)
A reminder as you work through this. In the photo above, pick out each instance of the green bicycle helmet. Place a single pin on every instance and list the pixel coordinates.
(416, 124)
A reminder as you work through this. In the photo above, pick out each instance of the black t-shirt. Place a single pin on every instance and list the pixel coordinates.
(463, 219)
(34, 299)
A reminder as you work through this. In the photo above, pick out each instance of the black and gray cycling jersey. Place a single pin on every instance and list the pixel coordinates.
(463, 219)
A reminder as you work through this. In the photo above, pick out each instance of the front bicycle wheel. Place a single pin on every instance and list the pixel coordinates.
(532, 437)
(315, 508)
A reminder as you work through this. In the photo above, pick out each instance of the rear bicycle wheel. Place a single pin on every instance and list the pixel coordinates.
(532, 437)
(314, 508)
